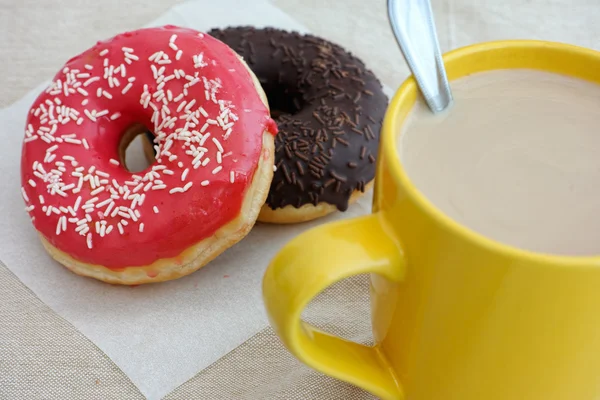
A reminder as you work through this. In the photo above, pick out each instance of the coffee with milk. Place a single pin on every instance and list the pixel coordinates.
(516, 159)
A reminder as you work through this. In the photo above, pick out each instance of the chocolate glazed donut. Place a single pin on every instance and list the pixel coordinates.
(328, 108)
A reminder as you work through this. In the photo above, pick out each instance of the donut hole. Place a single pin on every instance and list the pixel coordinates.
(283, 99)
(131, 149)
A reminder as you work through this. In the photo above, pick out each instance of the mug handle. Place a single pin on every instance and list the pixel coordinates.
(310, 263)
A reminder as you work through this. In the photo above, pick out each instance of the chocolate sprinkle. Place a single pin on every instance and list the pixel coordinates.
(328, 107)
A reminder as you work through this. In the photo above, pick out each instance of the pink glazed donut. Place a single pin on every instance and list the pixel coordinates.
(214, 142)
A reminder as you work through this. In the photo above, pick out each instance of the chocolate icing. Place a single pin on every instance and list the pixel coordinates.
(328, 108)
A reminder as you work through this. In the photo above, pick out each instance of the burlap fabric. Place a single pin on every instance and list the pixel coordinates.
(43, 356)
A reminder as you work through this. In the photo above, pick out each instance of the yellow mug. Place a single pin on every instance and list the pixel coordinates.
(456, 316)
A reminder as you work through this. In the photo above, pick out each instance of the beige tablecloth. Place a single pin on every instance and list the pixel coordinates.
(44, 357)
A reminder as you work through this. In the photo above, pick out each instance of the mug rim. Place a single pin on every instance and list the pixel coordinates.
(391, 128)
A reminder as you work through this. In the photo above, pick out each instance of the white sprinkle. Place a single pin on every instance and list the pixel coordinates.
(181, 106)
(142, 227)
(203, 112)
(96, 191)
(89, 240)
(85, 144)
(159, 187)
(216, 142)
(25, 197)
(120, 227)
(102, 230)
(102, 174)
(59, 225)
(81, 222)
(91, 201)
(155, 209)
(113, 161)
(148, 186)
(216, 170)
(184, 174)
(206, 161)
(106, 94)
(176, 190)
(219, 157)
(173, 46)
(190, 105)
(131, 56)
(91, 80)
(114, 212)
(89, 115)
(204, 183)
(231, 176)
(187, 186)
(88, 67)
(178, 55)
(104, 202)
(127, 49)
(126, 88)
(72, 141)
(41, 199)
(109, 208)
(103, 52)
(226, 136)
(109, 230)
(82, 91)
(204, 138)
(77, 203)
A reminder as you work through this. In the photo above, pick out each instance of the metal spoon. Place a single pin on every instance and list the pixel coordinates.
(414, 28)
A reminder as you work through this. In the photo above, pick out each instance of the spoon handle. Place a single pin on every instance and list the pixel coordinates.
(414, 28)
